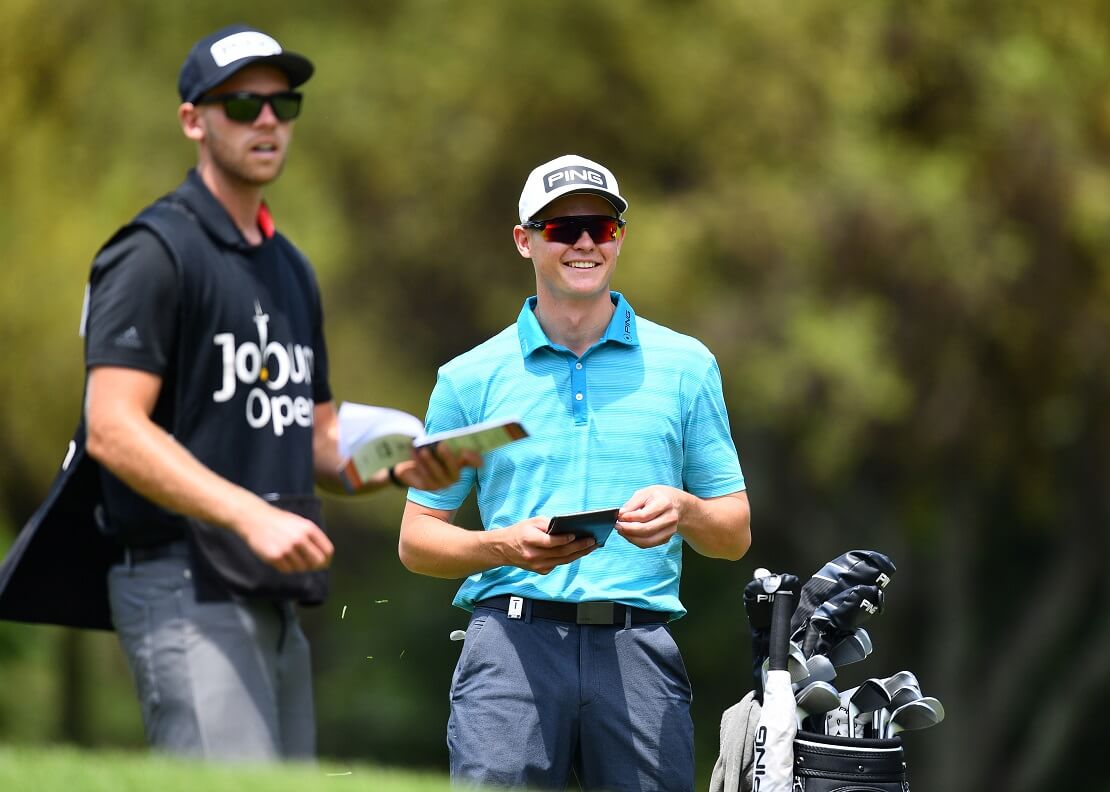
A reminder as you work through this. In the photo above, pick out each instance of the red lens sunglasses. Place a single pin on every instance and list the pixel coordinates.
(568, 230)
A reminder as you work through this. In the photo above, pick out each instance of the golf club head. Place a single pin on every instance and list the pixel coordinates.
(902, 688)
(856, 567)
(839, 617)
(898, 698)
(936, 705)
(819, 669)
(848, 720)
(852, 649)
(870, 696)
(816, 698)
(900, 680)
(917, 714)
(904, 695)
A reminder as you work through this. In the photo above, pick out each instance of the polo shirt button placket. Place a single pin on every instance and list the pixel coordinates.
(578, 387)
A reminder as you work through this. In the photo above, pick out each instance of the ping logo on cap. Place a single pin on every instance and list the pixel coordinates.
(243, 45)
(580, 175)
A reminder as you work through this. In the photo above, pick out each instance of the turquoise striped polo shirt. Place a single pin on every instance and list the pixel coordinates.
(642, 406)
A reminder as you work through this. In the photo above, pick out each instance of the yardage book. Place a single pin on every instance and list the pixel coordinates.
(374, 438)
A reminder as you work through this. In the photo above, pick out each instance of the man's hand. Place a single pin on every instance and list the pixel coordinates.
(528, 545)
(433, 468)
(286, 541)
(652, 515)
(430, 544)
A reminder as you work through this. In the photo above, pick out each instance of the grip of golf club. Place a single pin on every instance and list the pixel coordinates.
(781, 610)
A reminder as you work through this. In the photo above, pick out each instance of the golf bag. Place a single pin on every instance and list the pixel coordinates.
(855, 746)
(821, 763)
(842, 764)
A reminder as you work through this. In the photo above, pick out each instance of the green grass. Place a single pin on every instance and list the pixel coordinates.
(68, 770)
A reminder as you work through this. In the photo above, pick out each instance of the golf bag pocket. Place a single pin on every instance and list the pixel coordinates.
(839, 764)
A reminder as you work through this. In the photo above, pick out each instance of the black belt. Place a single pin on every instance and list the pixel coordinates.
(136, 555)
(604, 613)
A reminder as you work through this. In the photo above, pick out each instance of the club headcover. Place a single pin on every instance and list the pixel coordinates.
(856, 567)
(835, 619)
(759, 597)
(758, 607)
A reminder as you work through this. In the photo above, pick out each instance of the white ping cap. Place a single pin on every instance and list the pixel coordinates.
(567, 174)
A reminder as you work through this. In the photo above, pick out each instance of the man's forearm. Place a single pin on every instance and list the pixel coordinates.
(432, 546)
(718, 527)
(325, 448)
(151, 462)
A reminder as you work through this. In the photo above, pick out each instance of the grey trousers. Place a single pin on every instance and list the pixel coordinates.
(533, 701)
(216, 680)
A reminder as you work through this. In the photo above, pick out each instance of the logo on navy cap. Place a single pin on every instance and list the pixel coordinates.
(248, 44)
(579, 175)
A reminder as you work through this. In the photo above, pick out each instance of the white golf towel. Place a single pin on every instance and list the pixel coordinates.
(733, 770)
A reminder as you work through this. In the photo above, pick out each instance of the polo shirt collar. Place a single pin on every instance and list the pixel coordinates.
(211, 213)
(621, 329)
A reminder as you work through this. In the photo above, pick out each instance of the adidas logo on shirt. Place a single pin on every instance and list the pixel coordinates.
(129, 339)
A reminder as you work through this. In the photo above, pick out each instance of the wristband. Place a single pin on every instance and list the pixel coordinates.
(393, 477)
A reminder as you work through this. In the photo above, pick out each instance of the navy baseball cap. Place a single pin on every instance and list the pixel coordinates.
(218, 56)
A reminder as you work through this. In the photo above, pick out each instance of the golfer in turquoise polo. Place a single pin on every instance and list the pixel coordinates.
(568, 664)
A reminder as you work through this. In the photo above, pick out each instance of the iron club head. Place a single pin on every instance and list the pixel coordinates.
(917, 714)
(817, 698)
(853, 649)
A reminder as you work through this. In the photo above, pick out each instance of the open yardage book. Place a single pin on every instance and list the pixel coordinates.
(374, 438)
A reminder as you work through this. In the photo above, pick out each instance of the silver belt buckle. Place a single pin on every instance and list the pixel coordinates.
(594, 613)
(516, 607)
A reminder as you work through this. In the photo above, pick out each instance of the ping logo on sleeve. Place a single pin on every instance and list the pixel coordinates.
(579, 175)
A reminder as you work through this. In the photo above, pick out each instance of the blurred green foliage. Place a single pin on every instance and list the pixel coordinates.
(889, 220)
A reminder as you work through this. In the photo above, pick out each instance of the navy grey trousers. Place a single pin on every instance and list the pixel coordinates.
(533, 701)
(216, 680)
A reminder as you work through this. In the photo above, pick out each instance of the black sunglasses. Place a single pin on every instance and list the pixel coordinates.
(246, 106)
(568, 230)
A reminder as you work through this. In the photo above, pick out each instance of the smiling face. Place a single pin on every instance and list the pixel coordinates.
(244, 154)
(578, 272)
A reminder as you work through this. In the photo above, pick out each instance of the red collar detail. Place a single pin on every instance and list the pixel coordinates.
(265, 221)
